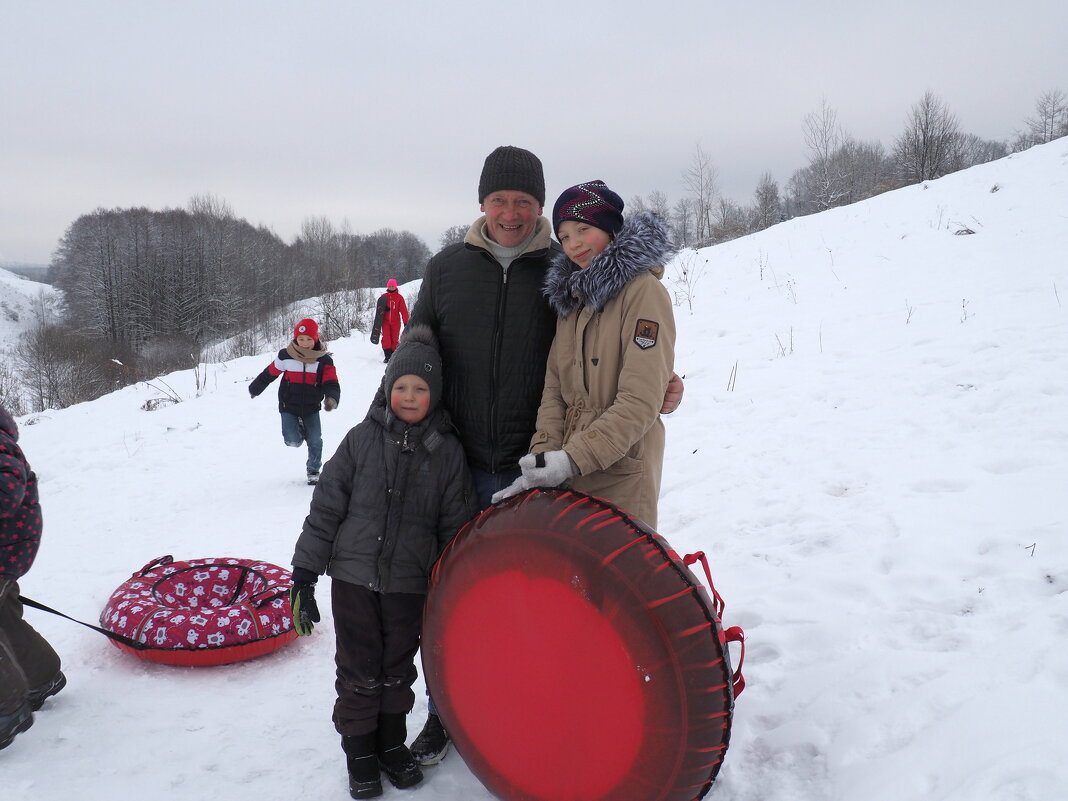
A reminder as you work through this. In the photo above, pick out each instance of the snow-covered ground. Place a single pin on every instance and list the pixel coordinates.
(22, 301)
(873, 450)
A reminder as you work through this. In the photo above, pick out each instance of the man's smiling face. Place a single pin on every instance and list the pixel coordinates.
(510, 216)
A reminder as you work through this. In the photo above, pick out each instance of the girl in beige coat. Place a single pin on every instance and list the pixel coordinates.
(599, 426)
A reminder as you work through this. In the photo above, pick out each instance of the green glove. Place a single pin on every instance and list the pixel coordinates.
(305, 610)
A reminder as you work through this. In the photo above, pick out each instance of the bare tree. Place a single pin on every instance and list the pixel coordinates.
(1051, 118)
(826, 179)
(974, 150)
(656, 202)
(730, 221)
(682, 222)
(453, 235)
(928, 146)
(767, 207)
(700, 180)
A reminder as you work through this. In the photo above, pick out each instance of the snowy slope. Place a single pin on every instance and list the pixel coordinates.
(872, 449)
(20, 301)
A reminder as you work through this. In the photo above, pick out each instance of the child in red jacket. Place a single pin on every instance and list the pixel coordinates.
(308, 380)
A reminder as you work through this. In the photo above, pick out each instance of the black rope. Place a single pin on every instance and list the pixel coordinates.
(140, 646)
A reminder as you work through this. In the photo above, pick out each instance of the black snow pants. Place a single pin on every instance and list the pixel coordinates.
(377, 639)
(27, 661)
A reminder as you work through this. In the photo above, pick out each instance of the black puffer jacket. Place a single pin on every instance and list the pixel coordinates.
(494, 336)
(388, 501)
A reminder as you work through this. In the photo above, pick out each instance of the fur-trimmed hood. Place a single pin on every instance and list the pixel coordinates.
(642, 244)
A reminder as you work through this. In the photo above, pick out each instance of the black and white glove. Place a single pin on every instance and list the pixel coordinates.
(549, 469)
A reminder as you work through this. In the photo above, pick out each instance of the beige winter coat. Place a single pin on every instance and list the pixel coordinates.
(608, 369)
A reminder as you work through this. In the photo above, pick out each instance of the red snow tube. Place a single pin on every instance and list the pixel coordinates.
(202, 612)
(572, 655)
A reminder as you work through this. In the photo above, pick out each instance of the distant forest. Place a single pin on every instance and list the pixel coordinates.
(146, 292)
(135, 276)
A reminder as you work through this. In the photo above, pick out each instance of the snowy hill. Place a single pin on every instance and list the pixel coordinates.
(872, 450)
(20, 301)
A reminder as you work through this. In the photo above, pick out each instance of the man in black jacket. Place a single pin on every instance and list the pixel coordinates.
(483, 300)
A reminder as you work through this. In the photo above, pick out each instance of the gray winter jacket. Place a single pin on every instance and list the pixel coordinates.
(387, 503)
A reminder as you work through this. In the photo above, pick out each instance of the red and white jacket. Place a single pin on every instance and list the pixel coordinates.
(304, 385)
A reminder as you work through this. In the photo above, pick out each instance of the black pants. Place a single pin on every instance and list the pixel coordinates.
(377, 639)
(27, 661)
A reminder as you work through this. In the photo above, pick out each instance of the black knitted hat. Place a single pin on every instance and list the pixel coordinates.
(417, 354)
(592, 203)
(512, 168)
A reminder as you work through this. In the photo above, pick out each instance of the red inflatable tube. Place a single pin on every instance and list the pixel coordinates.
(202, 611)
(572, 655)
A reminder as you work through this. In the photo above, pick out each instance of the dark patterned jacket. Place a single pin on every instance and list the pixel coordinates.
(494, 336)
(20, 512)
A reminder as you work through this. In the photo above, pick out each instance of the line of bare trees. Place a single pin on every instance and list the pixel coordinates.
(144, 291)
(843, 170)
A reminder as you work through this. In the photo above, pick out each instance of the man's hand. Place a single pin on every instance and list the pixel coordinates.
(330, 404)
(673, 395)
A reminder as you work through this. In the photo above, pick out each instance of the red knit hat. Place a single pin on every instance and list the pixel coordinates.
(306, 328)
(391, 283)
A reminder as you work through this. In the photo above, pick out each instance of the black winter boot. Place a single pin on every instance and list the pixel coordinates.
(365, 780)
(15, 722)
(432, 743)
(49, 688)
(393, 755)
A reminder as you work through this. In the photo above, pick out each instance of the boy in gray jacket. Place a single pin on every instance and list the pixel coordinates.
(390, 499)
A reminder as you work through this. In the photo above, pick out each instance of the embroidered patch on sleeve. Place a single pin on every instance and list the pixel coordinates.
(645, 333)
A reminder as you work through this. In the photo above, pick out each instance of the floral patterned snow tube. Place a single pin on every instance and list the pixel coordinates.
(202, 611)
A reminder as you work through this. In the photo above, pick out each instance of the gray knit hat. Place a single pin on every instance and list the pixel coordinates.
(417, 354)
(512, 168)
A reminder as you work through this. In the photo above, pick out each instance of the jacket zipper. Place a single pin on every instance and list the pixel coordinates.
(497, 337)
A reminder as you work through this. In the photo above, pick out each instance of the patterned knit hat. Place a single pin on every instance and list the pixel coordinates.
(306, 328)
(592, 203)
(512, 168)
(417, 354)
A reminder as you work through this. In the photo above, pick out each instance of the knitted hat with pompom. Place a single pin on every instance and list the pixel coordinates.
(306, 328)
(417, 354)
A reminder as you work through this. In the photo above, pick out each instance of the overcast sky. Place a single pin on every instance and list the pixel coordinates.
(380, 114)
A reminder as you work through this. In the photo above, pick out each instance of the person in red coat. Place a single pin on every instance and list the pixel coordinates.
(389, 312)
